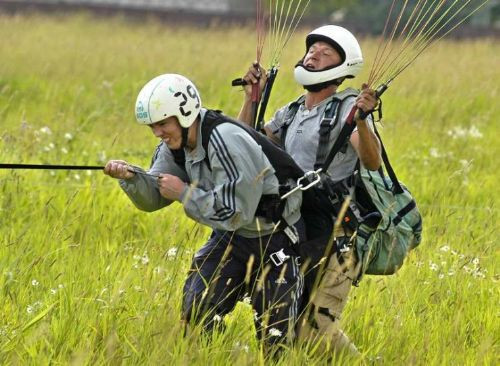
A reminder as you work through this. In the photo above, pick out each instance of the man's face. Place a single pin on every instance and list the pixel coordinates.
(321, 55)
(170, 131)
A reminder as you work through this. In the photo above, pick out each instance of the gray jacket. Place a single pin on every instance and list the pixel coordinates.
(225, 197)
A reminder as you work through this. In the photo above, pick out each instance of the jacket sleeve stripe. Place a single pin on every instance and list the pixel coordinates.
(228, 190)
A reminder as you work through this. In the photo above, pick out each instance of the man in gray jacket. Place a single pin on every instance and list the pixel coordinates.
(224, 180)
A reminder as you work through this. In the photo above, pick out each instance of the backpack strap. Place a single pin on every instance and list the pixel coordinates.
(343, 137)
(330, 119)
(270, 206)
(290, 115)
(396, 186)
(344, 134)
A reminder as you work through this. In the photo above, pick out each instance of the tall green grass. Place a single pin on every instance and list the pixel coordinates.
(86, 278)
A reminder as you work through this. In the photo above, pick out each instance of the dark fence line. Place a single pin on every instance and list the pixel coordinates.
(198, 19)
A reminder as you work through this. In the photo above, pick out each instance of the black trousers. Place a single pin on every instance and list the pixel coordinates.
(229, 268)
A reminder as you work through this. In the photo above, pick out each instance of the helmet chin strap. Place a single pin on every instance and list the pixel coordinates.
(184, 140)
(320, 86)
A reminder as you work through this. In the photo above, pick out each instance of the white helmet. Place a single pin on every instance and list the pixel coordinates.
(346, 45)
(166, 96)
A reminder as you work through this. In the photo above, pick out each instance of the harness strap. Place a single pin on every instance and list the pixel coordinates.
(271, 207)
(290, 115)
(396, 185)
(401, 213)
(344, 136)
(330, 119)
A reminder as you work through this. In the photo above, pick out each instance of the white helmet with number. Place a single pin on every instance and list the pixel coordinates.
(344, 43)
(166, 96)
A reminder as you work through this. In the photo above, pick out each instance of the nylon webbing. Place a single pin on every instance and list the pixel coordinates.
(330, 119)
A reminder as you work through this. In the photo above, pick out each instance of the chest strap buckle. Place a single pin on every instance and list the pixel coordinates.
(279, 257)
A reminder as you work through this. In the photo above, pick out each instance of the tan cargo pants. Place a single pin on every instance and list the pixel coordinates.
(321, 320)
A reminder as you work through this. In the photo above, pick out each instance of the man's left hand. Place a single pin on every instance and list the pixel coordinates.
(170, 186)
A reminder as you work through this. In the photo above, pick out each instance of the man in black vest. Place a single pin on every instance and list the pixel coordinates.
(332, 55)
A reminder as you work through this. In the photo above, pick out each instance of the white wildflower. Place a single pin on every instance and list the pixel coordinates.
(64, 150)
(247, 300)
(136, 257)
(475, 133)
(88, 172)
(102, 156)
(457, 132)
(478, 274)
(441, 276)
(433, 266)
(107, 84)
(464, 162)
(46, 130)
(34, 283)
(445, 248)
(68, 136)
(172, 252)
(451, 272)
(273, 332)
(243, 347)
(52, 146)
(76, 176)
(217, 318)
(145, 258)
(60, 286)
(435, 153)
(475, 261)
(53, 291)
(29, 309)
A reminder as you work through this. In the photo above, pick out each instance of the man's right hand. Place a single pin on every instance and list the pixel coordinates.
(118, 169)
(255, 74)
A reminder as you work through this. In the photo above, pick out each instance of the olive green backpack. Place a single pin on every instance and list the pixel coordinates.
(383, 213)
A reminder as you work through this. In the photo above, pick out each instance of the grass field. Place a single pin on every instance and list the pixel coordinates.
(86, 278)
